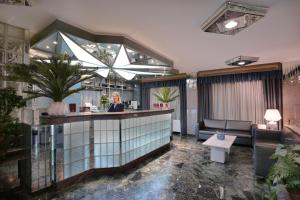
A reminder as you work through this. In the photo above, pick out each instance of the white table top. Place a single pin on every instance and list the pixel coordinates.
(214, 142)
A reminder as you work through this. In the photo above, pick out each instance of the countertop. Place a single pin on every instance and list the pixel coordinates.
(83, 116)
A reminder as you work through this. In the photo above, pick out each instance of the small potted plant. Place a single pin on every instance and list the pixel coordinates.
(165, 95)
(284, 176)
(104, 101)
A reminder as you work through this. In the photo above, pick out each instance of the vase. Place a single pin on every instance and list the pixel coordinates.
(166, 106)
(220, 136)
(57, 108)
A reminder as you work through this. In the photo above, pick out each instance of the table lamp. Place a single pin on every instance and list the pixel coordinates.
(272, 116)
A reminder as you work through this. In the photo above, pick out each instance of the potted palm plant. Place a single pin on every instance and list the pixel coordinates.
(165, 95)
(54, 79)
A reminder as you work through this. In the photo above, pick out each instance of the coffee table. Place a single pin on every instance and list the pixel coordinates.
(219, 148)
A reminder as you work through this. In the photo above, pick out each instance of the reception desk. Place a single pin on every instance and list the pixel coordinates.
(100, 143)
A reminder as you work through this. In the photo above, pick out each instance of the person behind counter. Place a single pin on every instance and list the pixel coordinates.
(116, 106)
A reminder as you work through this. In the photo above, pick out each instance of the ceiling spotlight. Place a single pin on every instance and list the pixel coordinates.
(241, 60)
(233, 17)
(47, 47)
(55, 42)
(241, 63)
(231, 24)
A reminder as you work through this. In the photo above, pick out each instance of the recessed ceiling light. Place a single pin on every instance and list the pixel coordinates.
(241, 63)
(55, 42)
(231, 24)
(47, 47)
(241, 60)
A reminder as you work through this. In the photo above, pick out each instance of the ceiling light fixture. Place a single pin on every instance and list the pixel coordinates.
(231, 24)
(241, 63)
(233, 17)
(47, 47)
(241, 60)
(55, 42)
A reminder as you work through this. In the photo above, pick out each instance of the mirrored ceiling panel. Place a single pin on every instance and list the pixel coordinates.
(108, 52)
(109, 56)
(140, 58)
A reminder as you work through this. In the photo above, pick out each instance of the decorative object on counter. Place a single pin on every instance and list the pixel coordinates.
(104, 101)
(94, 109)
(285, 173)
(272, 116)
(165, 95)
(72, 107)
(55, 78)
(220, 135)
(10, 129)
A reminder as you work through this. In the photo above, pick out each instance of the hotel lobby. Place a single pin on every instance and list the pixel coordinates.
(151, 100)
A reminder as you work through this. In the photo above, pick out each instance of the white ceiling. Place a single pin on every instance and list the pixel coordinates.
(172, 27)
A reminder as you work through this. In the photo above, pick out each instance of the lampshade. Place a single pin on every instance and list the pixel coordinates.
(272, 115)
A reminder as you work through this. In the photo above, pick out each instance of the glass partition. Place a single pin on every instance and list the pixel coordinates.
(59, 152)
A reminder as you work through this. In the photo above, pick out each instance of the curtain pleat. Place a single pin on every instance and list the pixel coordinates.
(204, 101)
(273, 99)
(145, 98)
(242, 100)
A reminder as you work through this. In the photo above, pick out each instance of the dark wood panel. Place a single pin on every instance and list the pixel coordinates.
(165, 78)
(96, 116)
(241, 70)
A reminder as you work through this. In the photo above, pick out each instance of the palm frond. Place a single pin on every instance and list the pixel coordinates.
(165, 95)
(54, 80)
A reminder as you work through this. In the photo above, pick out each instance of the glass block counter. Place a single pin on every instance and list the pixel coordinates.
(86, 143)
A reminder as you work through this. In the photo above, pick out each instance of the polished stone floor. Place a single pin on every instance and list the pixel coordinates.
(184, 172)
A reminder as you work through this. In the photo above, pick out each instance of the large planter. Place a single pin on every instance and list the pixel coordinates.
(57, 108)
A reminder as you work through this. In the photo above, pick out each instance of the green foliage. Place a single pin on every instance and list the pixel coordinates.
(165, 95)
(54, 79)
(104, 100)
(285, 173)
(8, 102)
(10, 129)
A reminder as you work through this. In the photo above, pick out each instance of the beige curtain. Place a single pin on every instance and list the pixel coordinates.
(242, 100)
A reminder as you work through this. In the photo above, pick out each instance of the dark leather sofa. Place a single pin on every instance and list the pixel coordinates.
(265, 143)
(244, 130)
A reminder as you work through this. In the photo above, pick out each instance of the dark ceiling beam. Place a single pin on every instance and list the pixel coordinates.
(241, 70)
(165, 78)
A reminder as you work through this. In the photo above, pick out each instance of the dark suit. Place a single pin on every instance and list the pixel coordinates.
(118, 108)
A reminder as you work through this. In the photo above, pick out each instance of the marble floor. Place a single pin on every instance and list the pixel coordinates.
(184, 172)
